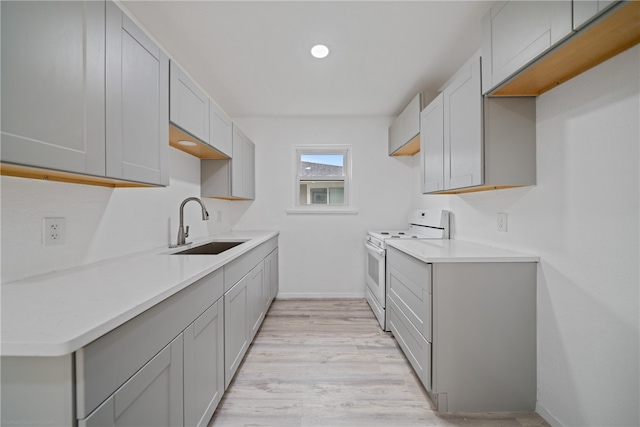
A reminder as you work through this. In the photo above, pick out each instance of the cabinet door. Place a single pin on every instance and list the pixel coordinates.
(516, 32)
(236, 328)
(255, 288)
(204, 366)
(271, 277)
(432, 145)
(220, 130)
(249, 178)
(585, 10)
(237, 163)
(463, 166)
(53, 99)
(152, 397)
(189, 107)
(137, 103)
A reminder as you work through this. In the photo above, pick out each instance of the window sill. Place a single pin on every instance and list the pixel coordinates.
(319, 211)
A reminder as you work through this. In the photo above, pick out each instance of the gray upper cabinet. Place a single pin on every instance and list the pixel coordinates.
(432, 146)
(220, 130)
(232, 179)
(137, 82)
(472, 143)
(404, 132)
(189, 108)
(85, 91)
(463, 165)
(514, 33)
(53, 99)
(586, 10)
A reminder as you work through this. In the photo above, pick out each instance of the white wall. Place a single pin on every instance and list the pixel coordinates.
(101, 223)
(582, 219)
(323, 255)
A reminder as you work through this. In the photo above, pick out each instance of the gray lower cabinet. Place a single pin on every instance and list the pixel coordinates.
(168, 366)
(256, 290)
(204, 365)
(152, 397)
(237, 329)
(137, 96)
(53, 76)
(85, 91)
(468, 330)
(270, 277)
(514, 33)
(245, 301)
(474, 143)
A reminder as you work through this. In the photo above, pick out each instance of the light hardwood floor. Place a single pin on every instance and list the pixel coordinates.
(327, 363)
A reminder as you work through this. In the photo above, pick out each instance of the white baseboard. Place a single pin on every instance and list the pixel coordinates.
(540, 410)
(307, 295)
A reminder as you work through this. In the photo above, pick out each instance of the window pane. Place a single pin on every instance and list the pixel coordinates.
(321, 192)
(336, 195)
(318, 196)
(321, 165)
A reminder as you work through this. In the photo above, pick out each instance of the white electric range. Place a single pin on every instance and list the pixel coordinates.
(423, 224)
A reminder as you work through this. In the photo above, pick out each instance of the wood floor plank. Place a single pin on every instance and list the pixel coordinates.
(317, 363)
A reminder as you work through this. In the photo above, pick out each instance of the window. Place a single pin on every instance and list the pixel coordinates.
(323, 179)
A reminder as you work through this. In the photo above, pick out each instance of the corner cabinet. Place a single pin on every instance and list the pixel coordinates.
(137, 82)
(470, 143)
(232, 179)
(74, 77)
(468, 330)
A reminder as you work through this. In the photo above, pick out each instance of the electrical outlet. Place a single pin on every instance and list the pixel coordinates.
(53, 231)
(219, 216)
(502, 221)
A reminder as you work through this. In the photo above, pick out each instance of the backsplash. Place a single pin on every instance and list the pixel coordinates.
(101, 222)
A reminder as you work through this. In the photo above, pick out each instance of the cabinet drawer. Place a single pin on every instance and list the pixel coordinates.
(105, 364)
(409, 284)
(240, 267)
(413, 344)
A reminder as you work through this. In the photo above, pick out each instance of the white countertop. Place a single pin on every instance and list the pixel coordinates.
(57, 314)
(436, 251)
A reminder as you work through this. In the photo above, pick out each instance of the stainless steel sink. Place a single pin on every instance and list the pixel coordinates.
(212, 248)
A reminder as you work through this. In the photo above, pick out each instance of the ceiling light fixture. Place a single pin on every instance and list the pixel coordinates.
(187, 143)
(319, 51)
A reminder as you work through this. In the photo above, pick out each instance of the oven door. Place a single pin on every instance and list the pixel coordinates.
(375, 273)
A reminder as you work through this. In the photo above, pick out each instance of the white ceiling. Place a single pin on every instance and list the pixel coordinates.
(253, 57)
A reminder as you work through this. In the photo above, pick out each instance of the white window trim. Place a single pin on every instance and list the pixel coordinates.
(347, 208)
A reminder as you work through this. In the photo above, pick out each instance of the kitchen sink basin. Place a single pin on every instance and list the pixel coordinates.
(212, 248)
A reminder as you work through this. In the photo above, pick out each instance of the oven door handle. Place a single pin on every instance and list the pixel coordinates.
(375, 249)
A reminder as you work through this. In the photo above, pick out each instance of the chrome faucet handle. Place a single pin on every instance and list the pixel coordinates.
(186, 233)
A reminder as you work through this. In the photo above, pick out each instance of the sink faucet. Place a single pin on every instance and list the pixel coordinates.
(182, 235)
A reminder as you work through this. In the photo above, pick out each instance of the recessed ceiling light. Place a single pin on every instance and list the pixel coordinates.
(319, 51)
(187, 143)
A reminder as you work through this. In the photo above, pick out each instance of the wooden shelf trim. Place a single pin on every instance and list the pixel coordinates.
(614, 32)
(200, 150)
(478, 189)
(21, 171)
(410, 148)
